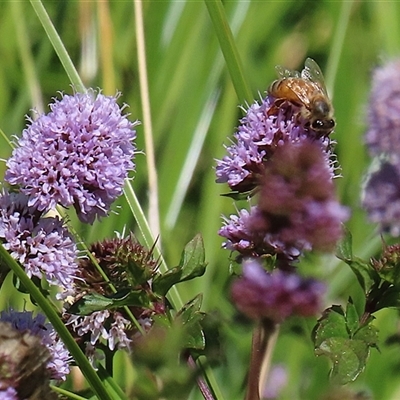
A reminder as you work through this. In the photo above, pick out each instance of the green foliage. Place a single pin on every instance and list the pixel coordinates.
(341, 336)
(194, 109)
(95, 302)
(191, 265)
(366, 275)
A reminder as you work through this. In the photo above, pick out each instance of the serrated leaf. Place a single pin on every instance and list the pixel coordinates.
(348, 358)
(192, 265)
(332, 324)
(95, 302)
(339, 337)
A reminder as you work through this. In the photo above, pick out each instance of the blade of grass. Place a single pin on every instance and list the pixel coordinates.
(154, 218)
(25, 53)
(337, 45)
(58, 45)
(229, 50)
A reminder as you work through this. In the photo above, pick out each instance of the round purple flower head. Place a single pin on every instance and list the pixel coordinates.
(58, 365)
(76, 155)
(383, 134)
(261, 131)
(43, 246)
(277, 295)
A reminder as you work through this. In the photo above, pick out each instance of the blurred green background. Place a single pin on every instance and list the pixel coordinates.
(194, 111)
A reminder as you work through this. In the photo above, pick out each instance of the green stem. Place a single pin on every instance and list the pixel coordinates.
(58, 45)
(229, 50)
(51, 312)
(145, 231)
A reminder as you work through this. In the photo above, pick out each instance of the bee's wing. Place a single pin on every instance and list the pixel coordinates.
(302, 91)
(312, 72)
(286, 73)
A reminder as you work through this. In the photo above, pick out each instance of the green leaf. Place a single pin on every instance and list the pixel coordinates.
(344, 249)
(365, 273)
(331, 324)
(191, 265)
(191, 317)
(352, 318)
(240, 195)
(194, 337)
(95, 302)
(348, 358)
(193, 258)
(340, 337)
(368, 334)
(190, 309)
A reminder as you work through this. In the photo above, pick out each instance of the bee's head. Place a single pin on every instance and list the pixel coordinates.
(322, 116)
(323, 126)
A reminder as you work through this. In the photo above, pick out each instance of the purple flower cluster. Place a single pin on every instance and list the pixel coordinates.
(278, 158)
(381, 195)
(259, 134)
(296, 209)
(76, 155)
(383, 133)
(95, 325)
(58, 365)
(42, 245)
(277, 295)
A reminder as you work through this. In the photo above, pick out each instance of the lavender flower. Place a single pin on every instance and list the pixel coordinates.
(297, 199)
(8, 393)
(58, 364)
(241, 237)
(383, 134)
(277, 296)
(76, 155)
(381, 195)
(43, 246)
(95, 326)
(296, 210)
(260, 133)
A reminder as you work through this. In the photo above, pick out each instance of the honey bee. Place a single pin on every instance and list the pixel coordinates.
(307, 90)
